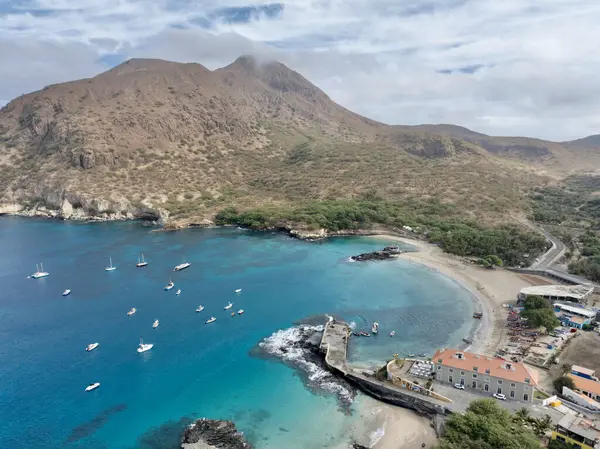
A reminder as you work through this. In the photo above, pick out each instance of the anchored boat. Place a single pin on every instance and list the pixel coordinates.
(182, 266)
(141, 262)
(143, 347)
(93, 386)
(110, 267)
(91, 346)
(39, 272)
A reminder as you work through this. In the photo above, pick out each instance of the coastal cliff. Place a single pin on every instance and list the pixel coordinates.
(209, 434)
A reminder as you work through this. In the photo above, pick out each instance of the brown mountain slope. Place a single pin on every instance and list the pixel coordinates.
(155, 135)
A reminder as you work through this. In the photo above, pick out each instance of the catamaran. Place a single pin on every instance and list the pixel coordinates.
(67, 292)
(144, 347)
(39, 272)
(141, 262)
(93, 386)
(200, 309)
(170, 285)
(132, 311)
(228, 306)
(155, 324)
(110, 267)
(91, 346)
(212, 319)
(375, 328)
(182, 266)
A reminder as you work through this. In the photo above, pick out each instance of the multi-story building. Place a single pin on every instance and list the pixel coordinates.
(485, 374)
(588, 387)
(578, 432)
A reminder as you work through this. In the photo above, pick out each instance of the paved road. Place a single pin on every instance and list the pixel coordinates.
(552, 255)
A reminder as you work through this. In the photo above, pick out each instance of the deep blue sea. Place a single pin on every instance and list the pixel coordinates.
(194, 370)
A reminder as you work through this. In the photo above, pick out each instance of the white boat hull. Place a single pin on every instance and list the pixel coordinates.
(92, 387)
(145, 348)
(91, 347)
(66, 293)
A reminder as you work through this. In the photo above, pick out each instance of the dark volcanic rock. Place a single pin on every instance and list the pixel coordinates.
(207, 433)
(389, 252)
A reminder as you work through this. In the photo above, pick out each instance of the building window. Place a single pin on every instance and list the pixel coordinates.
(439, 367)
(486, 387)
(487, 371)
(462, 373)
(559, 438)
(526, 397)
(499, 381)
(499, 390)
(450, 370)
(450, 379)
(512, 394)
(439, 360)
(526, 388)
(474, 385)
(512, 385)
(474, 376)
(474, 368)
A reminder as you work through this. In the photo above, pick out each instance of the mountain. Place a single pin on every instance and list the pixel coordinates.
(153, 138)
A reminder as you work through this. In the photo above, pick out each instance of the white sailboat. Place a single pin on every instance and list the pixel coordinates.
(178, 292)
(141, 263)
(212, 319)
(143, 347)
(132, 311)
(170, 285)
(155, 324)
(110, 267)
(39, 272)
(200, 309)
(228, 306)
(182, 266)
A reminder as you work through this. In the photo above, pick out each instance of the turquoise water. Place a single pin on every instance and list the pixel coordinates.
(194, 369)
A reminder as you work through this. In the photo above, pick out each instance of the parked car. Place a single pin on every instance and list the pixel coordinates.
(459, 386)
(500, 396)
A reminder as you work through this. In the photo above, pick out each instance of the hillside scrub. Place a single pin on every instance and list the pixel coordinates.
(439, 223)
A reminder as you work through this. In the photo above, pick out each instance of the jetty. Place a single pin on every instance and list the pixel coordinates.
(378, 384)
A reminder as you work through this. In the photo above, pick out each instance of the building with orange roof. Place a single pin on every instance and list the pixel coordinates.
(486, 374)
(588, 387)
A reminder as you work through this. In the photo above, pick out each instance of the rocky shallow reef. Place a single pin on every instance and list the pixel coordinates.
(209, 434)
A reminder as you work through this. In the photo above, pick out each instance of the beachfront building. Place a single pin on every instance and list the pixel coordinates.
(570, 293)
(580, 399)
(588, 387)
(487, 375)
(572, 316)
(584, 372)
(578, 432)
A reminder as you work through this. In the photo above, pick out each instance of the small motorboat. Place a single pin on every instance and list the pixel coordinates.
(422, 355)
(356, 334)
(67, 292)
(200, 309)
(155, 324)
(467, 341)
(240, 312)
(39, 272)
(411, 355)
(375, 328)
(365, 334)
(238, 290)
(170, 285)
(93, 386)
(182, 266)
(178, 292)
(110, 267)
(392, 333)
(143, 347)
(212, 319)
(232, 313)
(91, 346)
(228, 306)
(132, 311)
(396, 355)
(141, 262)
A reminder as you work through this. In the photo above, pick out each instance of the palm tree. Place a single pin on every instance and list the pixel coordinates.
(522, 414)
(565, 369)
(542, 425)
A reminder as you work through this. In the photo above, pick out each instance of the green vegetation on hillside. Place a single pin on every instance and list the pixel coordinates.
(439, 223)
(572, 212)
(487, 425)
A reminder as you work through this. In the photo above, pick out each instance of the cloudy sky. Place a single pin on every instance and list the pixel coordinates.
(502, 67)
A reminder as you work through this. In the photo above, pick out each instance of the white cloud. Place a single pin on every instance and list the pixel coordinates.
(534, 63)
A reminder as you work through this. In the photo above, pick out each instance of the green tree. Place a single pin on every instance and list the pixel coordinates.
(486, 425)
(541, 317)
(563, 381)
(494, 260)
(542, 425)
(536, 302)
(522, 414)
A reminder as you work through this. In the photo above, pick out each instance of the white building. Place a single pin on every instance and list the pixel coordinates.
(573, 293)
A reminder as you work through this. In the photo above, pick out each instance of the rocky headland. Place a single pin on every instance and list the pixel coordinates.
(389, 252)
(213, 434)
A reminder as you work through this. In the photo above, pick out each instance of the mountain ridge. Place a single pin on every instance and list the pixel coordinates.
(158, 138)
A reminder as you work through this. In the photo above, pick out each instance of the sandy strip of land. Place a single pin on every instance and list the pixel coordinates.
(490, 289)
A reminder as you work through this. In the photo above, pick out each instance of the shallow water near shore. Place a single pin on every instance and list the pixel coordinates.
(194, 370)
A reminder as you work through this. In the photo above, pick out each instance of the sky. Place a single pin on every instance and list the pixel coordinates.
(501, 67)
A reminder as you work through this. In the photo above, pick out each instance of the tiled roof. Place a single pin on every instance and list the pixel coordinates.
(582, 384)
(511, 371)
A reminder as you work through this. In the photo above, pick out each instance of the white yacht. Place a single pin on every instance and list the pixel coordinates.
(67, 292)
(238, 290)
(155, 324)
(143, 347)
(392, 333)
(182, 266)
(240, 311)
(141, 262)
(200, 309)
(110, 267)
(132, 311)
(91, 346)
(375, 328)
(170, 285)
(178, 292)
(212, 319)
(228, 306)
(39, 272)
(93, 386)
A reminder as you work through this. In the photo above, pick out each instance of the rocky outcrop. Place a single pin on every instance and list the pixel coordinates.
(389, 252)
(208, 434)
